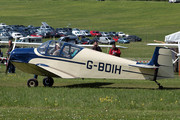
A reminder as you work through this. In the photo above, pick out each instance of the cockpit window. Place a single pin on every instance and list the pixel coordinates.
(69, 51)
(58, 49)
(42, 48)
(54, 48)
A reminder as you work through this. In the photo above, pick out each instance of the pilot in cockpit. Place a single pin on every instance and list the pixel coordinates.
(57, 49)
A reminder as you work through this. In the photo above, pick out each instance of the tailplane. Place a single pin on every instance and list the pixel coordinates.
(162, 58)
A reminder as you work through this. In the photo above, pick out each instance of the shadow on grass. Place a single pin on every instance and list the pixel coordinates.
(86, 85)
(103, 85)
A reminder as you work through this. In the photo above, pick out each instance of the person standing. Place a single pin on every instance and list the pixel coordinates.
(11, 66)
(115, 51)
(96, 47)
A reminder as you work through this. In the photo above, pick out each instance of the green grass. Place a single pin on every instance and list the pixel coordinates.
(93, 98)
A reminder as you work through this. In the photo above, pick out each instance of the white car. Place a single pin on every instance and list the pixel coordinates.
(104, 34)
(2, 25)
(77, 33)
(16, 35)
(85, 33)
(75, 29)
(174, 1)
(121, 34)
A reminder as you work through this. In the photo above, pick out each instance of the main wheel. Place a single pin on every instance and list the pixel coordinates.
(32, 82)
(48, 81)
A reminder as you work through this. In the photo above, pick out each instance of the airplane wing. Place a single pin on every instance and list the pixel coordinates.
(22, 43)
(102, 46)
(163, 45)
(56, 71)
(143, 66)
(38, 44)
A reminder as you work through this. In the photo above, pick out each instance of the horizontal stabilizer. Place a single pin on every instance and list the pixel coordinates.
(144, 66)
(163, 45)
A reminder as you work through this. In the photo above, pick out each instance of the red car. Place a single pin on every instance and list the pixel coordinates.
(36, 35)
(95, 33)
(115, 38)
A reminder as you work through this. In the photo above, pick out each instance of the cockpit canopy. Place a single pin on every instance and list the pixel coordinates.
(59, 49)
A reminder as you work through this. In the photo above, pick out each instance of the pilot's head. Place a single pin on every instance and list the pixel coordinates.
(58, 46)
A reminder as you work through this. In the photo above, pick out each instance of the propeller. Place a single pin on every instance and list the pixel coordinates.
(8, 63)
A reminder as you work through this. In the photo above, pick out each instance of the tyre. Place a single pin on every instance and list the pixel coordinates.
(32, 82)
(48, 81)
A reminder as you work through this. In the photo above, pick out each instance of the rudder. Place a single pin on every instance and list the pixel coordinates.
(162, 58)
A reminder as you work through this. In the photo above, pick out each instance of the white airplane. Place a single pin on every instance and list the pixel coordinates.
(66, 60)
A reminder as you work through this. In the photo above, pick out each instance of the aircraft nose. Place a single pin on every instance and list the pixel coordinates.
(20, 55)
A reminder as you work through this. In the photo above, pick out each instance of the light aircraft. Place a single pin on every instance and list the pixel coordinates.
(73, 61)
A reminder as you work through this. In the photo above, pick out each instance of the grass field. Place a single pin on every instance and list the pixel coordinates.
(93, 98)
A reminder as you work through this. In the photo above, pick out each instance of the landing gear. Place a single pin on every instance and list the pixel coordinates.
(160, 87)
(48, 81)
(32, 82)
(155, 76)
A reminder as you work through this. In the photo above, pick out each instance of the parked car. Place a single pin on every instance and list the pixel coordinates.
(75, 29)
(57, 29)
(106, 40)
(121, 34)
(36, 35)
(67, 29)
(104, 34)
(85, 33)
(133, 38)
(30, 39)
(62, 31)
(123, 40)
(77, 33)
(174, 1)
(95, 33)
(70, 38)
(16, 35)
(112, 33)
(4, 36)
(44, 33)
(86, 41)
(116, 38)
(95, 39)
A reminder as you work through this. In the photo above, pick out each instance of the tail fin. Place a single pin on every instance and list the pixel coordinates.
(162, 58)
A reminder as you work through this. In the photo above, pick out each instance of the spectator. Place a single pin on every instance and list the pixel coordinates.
(11, 66)
(115, 51)
(96, 47)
